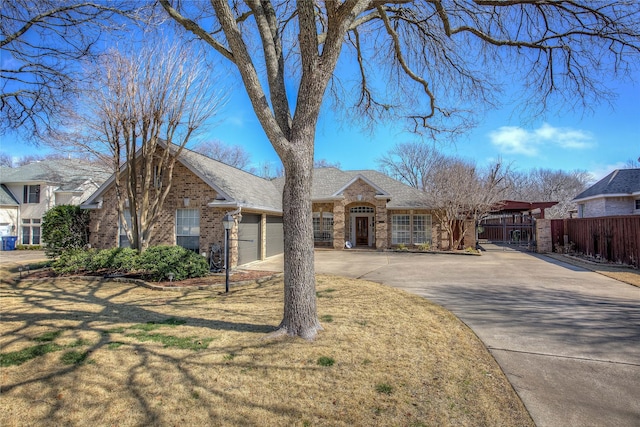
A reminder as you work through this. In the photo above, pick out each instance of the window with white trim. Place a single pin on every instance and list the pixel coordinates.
(400, 229)
(421, 229)
(31, 231)
(323, 226)
(637, 204)
(361, 209)
(31, 194)
(188, 229)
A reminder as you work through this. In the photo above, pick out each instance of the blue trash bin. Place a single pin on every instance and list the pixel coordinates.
(9, 243)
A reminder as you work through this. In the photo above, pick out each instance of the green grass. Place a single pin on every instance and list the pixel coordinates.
(115, 344)
(325, 361)
(186, 343)
(48, 336)
(324, 293)
(384, 388)
(79, 343)
(327, 318)
(15, 358)
(74, 357)
(144, 334)
(47, 345)
(151, 325)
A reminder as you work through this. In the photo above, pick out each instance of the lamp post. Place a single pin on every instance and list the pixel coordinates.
(227, 222)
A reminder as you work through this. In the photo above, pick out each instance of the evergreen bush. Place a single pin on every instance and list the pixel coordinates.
(116, 260)
(73, 261)
(158, 261)
(64, 227)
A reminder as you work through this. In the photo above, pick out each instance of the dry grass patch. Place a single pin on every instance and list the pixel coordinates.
(127, 355)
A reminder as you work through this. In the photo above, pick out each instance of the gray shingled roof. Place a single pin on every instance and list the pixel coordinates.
(69, 174)
(402, 195)
(327, 182)
(6, 198)
(620, 181)
(242, 187)
(251, 191)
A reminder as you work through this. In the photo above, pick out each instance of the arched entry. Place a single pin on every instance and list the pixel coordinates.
(362, 226)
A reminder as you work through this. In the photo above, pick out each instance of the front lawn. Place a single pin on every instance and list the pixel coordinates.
(99, 352)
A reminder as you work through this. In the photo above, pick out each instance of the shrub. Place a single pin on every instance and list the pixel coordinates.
(116, 260)
(424, 247)
(64, 227)
(158, 261)
(73, 261)
(28, 247)
(401, 247)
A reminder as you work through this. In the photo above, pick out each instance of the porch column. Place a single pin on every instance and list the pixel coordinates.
(338, 225)
(381, 226)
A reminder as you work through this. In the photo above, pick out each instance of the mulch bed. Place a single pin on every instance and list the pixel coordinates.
(198, 282)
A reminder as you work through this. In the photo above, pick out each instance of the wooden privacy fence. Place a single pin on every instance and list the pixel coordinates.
(614, 239)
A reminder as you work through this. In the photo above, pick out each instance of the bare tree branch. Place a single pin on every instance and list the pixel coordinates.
(41, 43)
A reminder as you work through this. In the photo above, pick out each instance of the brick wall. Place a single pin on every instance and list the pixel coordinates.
(609, 206)
(104, 222)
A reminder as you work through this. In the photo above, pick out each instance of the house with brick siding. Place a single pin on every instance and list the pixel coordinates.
(616, 194)
(351, 209)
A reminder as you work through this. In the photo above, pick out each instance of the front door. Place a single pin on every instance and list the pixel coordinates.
(362, 231)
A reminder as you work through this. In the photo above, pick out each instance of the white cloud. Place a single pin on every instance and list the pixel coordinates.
(516, 140)
(513, 140)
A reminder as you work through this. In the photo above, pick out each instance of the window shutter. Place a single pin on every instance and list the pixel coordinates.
(25, 198)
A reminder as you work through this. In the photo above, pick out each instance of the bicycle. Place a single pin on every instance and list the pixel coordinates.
(216, 258)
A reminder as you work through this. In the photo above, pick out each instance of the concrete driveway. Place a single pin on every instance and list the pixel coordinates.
(568, 339)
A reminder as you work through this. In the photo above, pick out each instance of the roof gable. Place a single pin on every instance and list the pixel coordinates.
(235, 186)
(379, 191)
(329, 183)
(620, 182)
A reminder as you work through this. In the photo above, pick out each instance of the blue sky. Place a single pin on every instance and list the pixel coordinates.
(597, 141)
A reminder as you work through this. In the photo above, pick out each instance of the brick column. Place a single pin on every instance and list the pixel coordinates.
(338, 225)
(381, 226)
(544, 239)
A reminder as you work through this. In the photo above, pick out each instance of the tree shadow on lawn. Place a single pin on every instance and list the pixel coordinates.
(60, 304)
(96, 307)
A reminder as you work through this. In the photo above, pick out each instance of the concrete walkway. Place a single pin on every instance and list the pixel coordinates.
(568, 339)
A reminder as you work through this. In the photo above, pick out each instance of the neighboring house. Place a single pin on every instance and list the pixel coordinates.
(350, 208)
(27, 192)
(616, 194)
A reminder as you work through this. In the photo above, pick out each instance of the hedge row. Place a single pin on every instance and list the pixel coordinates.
(155, 263)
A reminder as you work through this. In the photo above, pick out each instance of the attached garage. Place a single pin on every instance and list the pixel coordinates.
(249, 238)
(275, 236)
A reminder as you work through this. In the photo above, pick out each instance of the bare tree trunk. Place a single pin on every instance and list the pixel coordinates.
(300, 315)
